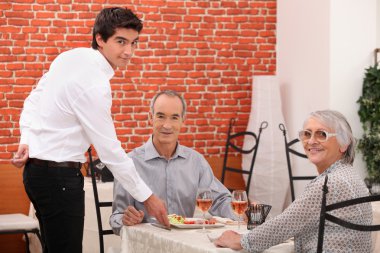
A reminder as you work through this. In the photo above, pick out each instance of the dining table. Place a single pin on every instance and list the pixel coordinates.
(144, 238)
(147, 238)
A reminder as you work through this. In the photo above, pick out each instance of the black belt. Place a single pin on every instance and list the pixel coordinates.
(52, 164)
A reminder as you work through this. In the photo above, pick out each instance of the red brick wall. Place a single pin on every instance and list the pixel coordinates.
(207, 50)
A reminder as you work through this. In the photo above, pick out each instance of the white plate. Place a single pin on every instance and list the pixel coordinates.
(216, 225)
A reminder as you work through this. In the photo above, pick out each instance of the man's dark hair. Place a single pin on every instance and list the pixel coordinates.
(109, 19)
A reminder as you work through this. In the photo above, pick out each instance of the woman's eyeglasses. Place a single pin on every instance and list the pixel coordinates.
(319, 135)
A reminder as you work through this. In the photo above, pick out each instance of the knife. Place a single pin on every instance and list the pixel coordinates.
(160, 226)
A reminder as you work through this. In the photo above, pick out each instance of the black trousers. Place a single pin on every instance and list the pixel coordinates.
(58, 198)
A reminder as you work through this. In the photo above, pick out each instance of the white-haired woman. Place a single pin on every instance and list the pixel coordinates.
(329, 144)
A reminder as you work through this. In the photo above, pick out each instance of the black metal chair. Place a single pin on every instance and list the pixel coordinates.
(17, 223)
(326, 216)
(231, 145)
(289, 150)
(98, 204)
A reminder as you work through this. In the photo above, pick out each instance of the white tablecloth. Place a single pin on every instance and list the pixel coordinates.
(146, 238)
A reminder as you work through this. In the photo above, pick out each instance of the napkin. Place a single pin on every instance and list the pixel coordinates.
(226, 221)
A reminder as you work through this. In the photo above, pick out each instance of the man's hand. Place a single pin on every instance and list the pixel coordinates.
(132, 216)
(155, 207)
(21, 157)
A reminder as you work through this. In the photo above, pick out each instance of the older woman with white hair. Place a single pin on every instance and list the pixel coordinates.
(329, 144)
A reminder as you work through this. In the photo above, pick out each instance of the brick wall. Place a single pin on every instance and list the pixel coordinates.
(206, 50)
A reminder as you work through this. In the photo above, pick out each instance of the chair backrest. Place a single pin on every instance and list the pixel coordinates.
(326, 216)
(289, 150)
(17, 223)
(98, 205)
(231, 145)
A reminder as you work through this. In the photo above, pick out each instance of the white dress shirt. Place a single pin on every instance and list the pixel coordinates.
(71, 109)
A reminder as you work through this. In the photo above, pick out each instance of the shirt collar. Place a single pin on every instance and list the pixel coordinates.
(330, 169)
(105, 66)
(151, 152)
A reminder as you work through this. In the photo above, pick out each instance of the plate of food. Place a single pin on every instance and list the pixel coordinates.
(178, 221)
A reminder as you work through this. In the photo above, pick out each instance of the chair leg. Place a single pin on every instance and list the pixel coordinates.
(27, 242)
(39, 238)
(101, 243)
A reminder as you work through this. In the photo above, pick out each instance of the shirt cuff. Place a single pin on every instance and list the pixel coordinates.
(141, 193)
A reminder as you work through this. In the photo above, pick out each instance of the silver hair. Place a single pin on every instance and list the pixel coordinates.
(170, 93)
(339, 124)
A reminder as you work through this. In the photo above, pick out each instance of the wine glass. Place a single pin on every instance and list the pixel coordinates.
(204, 202)
(239, 203)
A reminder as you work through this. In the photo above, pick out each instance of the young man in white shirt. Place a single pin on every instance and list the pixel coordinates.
(68, 111)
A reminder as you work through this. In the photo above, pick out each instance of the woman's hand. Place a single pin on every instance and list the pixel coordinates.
(229, 239)
(132, 216)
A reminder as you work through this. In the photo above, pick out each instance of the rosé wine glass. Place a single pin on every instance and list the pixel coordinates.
(239, 203)
(204, 202)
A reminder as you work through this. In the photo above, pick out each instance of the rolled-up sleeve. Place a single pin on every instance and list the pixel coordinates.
(98, 125)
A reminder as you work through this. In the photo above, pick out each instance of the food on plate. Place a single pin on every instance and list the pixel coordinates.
(211, 221)
(188, 221)
(198, 221)
(178, 219)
